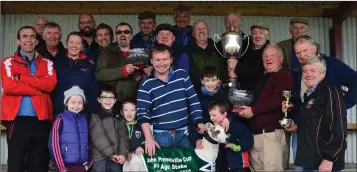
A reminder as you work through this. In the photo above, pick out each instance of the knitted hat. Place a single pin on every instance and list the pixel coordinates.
(165, 26)
(75, 90)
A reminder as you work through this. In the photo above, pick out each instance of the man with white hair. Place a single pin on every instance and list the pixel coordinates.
(322, 123)
(265, 112)
(338, 74)
(53, 46)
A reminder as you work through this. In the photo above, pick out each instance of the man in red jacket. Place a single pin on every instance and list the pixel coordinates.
(265, 112)
(27, 79)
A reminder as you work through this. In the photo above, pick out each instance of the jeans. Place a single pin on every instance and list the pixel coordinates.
(294, 145)
(106, 166)
(165, 139)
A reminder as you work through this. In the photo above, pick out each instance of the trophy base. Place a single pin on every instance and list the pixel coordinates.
(284, 122)
(237, 109)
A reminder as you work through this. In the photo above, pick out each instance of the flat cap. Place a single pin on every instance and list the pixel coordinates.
(165, 26)
(299, 20)
(260, 26)
(146, 15)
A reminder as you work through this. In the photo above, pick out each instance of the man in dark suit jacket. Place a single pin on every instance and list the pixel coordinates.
(298, 27)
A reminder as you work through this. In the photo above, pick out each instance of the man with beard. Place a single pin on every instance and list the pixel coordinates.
(86, 26)
(298, 27)
(53, 47)
(39, 25)
(184, 30)
(166, 34)
(145, 38)
(113, 67)
(250, 66)
(203, 54)
(104, 37)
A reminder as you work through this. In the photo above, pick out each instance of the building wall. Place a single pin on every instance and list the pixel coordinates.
(318, 30)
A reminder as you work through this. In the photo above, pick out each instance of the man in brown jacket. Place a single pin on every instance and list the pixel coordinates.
(113, 67)
(298, 27)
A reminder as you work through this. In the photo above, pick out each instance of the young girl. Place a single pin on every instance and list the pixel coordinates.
(108, 134)
(69, 135)
(136, 136)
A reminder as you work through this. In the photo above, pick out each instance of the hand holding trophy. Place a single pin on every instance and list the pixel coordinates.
(285, 121)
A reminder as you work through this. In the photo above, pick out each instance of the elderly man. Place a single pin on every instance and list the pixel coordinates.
(53, 47)
(250, 66)
(145, 38)
(39, 25)
(113, 66)
(86, 26)
(265, 112)
(167, 101)
(203, 54)
(184, 30)
(27, 79)
(338, 74)
(166, 34)
(322, 123)
(298, 27)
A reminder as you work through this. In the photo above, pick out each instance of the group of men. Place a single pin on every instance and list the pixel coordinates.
(265, 69)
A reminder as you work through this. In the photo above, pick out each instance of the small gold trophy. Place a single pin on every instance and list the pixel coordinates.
(285, 121)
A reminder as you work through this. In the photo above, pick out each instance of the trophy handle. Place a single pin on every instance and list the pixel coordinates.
(246, 48)
(215, 39)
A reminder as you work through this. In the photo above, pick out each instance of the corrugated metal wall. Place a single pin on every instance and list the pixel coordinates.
(349, 56)
(318, 29)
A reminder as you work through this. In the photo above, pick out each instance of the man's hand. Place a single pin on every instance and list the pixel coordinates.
(232, 63)
(121, 159)
(130, 68)
(246, 112)
(128, 157)
(225, 124)
(325, 166)
(16, 77)
(150, 145)
(199, 144)
(228, 145)
(292, 127)
(139, 151)
(201, 128)
(148, 70)
(115, 158)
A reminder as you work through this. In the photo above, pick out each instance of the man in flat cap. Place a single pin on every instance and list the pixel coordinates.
(166, 34)
(145, 38)
(298, 27)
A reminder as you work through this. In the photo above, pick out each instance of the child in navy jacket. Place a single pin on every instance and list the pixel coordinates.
(240, 139)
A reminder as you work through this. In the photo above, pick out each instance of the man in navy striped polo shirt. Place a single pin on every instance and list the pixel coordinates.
(167, 101)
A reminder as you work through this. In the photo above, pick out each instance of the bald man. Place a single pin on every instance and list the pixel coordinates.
(86, 26)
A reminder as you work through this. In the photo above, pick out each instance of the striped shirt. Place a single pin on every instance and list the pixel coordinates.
(168, 105)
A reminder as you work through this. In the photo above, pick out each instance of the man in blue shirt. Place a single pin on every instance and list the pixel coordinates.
(184, 30)
(167, 101)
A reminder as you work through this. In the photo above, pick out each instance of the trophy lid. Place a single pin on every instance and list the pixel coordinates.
(231, 32)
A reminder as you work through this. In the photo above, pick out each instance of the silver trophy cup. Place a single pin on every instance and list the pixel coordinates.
(231, 42)
(285, 121)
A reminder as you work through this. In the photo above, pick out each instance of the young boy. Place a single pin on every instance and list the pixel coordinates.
(239, 142)
(108, 134)
(209, 91)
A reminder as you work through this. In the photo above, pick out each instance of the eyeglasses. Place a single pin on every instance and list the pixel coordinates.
(107, 98)
(118, 32)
